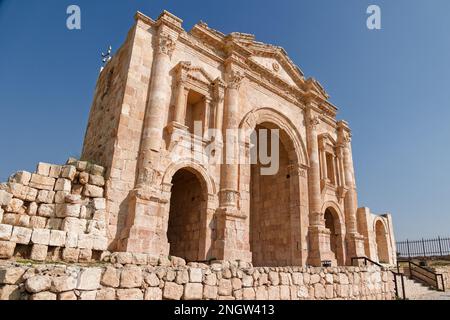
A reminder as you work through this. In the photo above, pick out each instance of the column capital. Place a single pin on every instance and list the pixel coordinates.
(234, 79)
(166, 44)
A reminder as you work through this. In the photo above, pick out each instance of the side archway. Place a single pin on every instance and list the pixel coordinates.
(189, 213)
(335, 224)
(381, 238)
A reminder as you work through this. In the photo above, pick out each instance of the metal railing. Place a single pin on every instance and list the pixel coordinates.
(424, 275)
(437, 247)
(397, 275)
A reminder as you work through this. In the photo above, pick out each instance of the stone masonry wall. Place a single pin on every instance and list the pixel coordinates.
(142, 277)
(55, 213)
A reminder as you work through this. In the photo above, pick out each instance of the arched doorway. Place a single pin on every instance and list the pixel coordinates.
(273, 205)
(382, 242)
(185, 231)
(333, 224)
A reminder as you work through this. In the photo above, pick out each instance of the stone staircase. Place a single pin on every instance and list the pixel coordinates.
(416, 290)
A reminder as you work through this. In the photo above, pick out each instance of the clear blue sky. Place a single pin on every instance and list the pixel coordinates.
(393, 85)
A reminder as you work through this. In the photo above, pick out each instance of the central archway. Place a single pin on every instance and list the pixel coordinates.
(272, 205)
(187, 211)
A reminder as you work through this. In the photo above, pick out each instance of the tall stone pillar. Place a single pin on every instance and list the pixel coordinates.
(232, 227)
(146, 224)
(181, 101)
(355, 242)
(319, 236)
(158, 103)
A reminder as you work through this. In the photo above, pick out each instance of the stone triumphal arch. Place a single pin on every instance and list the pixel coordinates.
(170, 99)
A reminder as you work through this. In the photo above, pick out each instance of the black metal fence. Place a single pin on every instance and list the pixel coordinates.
(436, 247)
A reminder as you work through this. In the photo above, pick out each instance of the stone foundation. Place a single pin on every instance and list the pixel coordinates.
(140, 277)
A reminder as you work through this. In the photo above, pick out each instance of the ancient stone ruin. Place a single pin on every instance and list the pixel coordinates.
(147, 214)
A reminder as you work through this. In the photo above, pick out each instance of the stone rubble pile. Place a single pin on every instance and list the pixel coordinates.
(124, 278)
(57, 212)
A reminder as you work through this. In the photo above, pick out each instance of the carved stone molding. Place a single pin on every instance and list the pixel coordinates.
(234, 79)
(166, 44)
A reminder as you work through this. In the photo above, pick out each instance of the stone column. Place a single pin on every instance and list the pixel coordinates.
(312, 121)
(219, 88)
(181, 102)
(355, 242)
(157, 108)
(232, 226)
(146, 226)
(319, 236)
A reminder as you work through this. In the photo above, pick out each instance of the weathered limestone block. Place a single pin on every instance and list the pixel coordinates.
(248, 294)
(315, 278)
(5, 198)
(70, 255)
(5, 232)
(303, 292)
(153, 281)
(37, 222)
(111, 277)
(10, 292)
(63, 185)
(106, 294)
(60, 197)
(69, 172)
(55, 171)
(99, 203)
(96, 180)
(68, 210)
(23, 221)
(83, 178)
(195, 275)
(172, 291)
(72, 225)
(97, 170)
(39, 252)
(71, 240)
(21, 177)
(122, 257)
(11, 219)
(138, 258)
(15, 205)
(54, 224)
(85, 255)
(178, 262)
(273, 293)
(7, 249)
(11, 275)
(153, 293)
(274, 278)
(38, 283)
(32, 209)
(67, 296)
(210, 279)
(47, 210)
(57, 238)
(85, 241)
(93, 191)
(22, 192)
(225, 288)
(45, 196)
(89, 279)
(247, 281)
(42, 182)
(285, 293)
(88, 295)
(130, 294)
(82, 165)
(131, 277)
(40, 236)
(43, 169)
(210, 292)
(262, 293)
(193, 291)
(44, 296)
(21, 235)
